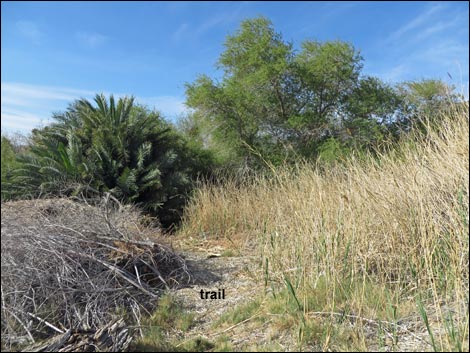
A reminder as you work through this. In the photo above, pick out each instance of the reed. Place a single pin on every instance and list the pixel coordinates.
(378, 237)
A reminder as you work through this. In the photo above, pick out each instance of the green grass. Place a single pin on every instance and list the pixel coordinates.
(240, 313)
(162, 328)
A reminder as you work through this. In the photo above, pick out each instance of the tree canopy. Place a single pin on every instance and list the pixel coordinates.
(280, 102)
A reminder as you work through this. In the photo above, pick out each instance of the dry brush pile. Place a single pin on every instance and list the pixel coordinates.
(69, 265)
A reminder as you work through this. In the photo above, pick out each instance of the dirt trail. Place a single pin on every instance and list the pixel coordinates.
(237, 275)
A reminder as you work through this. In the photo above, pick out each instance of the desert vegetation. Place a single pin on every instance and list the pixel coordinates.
(350, 193)
(374, 238)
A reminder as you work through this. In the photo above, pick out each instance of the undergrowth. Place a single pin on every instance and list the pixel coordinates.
(371, 242)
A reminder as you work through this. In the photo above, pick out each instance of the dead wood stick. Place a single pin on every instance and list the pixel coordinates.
(121, 273)
(155, 270)
(48, 324)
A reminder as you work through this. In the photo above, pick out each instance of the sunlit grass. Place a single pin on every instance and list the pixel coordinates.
(379, 238)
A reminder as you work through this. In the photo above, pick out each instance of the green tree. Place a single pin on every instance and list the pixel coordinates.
(117, 147)
(276, 102)
(371, 107)
(426, 98)
(330, 75)
(255, 95)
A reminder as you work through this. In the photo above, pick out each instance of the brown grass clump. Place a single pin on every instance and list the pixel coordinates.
(367, 235)
(68, 265)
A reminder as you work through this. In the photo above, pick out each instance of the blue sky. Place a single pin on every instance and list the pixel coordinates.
(55, 52)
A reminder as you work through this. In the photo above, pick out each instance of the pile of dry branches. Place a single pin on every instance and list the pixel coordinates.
(113, 337)
(69, 265)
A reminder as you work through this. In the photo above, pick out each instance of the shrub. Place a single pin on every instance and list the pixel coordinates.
(117, 147)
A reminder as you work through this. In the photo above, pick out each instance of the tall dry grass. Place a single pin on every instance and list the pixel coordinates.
(370, 233)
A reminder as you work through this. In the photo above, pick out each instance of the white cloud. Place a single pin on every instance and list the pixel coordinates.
(180, 32)
(397, 73)
(91, 40)
(221, 18)
(217, 19)
(447, 56)
(438, 27)
(14, 120)
(20, 93)
(21, 120)
(170, 106)
(431, 45)
(416, 22)
(29, 30)
(27, 106)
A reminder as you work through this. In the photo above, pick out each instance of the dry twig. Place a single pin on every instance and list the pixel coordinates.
(70, 265)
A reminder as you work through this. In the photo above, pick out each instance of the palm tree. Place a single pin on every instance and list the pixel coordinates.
(121, 148)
